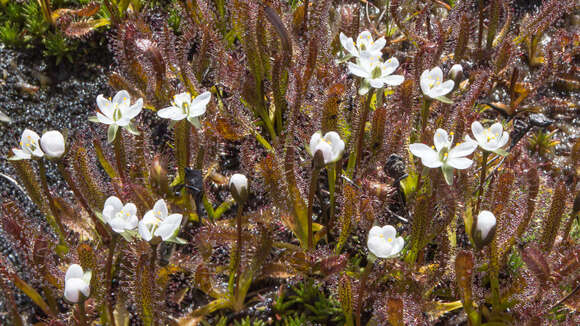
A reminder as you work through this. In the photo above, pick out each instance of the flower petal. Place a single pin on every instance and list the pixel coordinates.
(436, 73)
(376, 83)
(182, 98)
(105, 106)
(496, 129)
(442, 89)
(459, 163)
(169, 226)
(441, 139)
(377, 46)
(463, 149)
(477, 130)
(161, 208)
(111, 207)
(144, 231)
(379, 247)
(314, 140)
(130, 209)
(424, 81)
(198, 105)
(397, 245)
(73, 271)
(133, 110)
(364, 38)
(389, 231)
(423, 151)
(390, 66)
(357, 70)
(104, 119)
(52, 143)
(73, 289)
(393, 80)
(20, 154)
(348, 44)
(172, 112)
(122, 99)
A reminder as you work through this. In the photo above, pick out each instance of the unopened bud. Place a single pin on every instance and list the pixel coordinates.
(239, 187)
(483, 229)
(456, 73)
(158, 175)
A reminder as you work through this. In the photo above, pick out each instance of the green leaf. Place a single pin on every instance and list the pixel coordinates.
(364, 88)
(447, 173)
(177, 240)
(112, 133)
(94, 119)
(444, 99)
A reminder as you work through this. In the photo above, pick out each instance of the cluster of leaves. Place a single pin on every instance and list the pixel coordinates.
(271, 68)
(58, 27)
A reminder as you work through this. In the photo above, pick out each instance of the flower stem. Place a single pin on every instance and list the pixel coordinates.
(82, 314)
(481, 179)
(54, 220)
(313, 186)
(362, 288)
(154, 256)
(238, 256)
(332, 174)
(109, 269)
(361, 128)
(182, 130)
(425, 113)
(494, 274)
(120, 155)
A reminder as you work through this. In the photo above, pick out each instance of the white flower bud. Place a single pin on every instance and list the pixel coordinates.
(456, 72)
(52, 143)
(484, 229)
(76, 284)
(239, 187)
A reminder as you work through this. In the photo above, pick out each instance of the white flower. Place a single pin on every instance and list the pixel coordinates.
(330, 145)
(156, 222)
(383, 241)
(52, 143)
(76, 283)
(239, 187)
(432, 83)
(484, 229)
(29, 146)
(491, 139)
(120, 217)
(364, 45)
(183, 107)
(117, 112)
(456, 72)
(443, 156)
(375, 73)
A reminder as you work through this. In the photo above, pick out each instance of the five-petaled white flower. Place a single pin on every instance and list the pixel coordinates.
(76, 284)
(184, 107)
(383, 241)
(120, 217)
(331, 146)
(157, 223)
(239, 187)
(484, 229)
(29, 146)
(443, 156)
(375, 73)
(433, 86)
(491, 139)
(117, 112)
(52, 143)
(365, 45)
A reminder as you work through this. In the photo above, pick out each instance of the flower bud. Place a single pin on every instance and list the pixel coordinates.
(52, 143)
(483, 229)
(239, 187)
(456, 72)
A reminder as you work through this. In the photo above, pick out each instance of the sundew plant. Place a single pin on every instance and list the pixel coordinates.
(309, 163)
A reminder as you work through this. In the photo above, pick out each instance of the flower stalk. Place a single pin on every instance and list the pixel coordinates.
(120, 156)
(182, 131)
(53, 217)
(109, 269)
(362, 288)
(481, 179)
(316, 167)
(82, 314)
(361, 129)
(238, 247)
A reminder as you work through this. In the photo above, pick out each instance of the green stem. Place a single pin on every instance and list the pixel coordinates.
(331, 169)
(182, 130)
(494, 274)
(311, 193)
(54, 217)
(109, 269)
(154, 256)
(361, 129)
(425, 113)
(120, 156)
(238, 256)
(363, 282)
(82, 314)
(481, 179)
